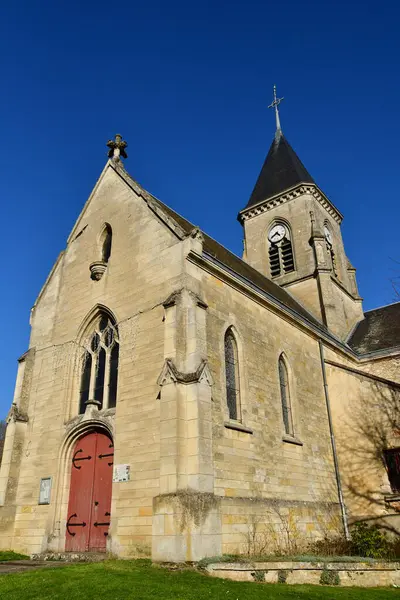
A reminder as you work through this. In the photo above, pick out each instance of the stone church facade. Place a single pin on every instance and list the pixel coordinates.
(179, 401)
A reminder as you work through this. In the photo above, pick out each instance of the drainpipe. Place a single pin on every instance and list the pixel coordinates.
(335, 458)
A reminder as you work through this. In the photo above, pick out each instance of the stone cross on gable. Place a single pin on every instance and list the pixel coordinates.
(117, 148)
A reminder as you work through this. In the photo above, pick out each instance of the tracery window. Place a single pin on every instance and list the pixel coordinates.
(280, 251)
(285, 396)
(232, 375)
(99, 376)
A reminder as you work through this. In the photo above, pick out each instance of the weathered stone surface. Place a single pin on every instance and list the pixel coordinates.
(201, 485)
(290, 572)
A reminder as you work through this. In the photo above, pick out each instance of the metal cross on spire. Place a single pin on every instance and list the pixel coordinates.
(117, 148)
(276, 102)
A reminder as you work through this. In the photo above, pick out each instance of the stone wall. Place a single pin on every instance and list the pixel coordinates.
(200, 482)
(260, 473)
(346, 574)
(364, 412)
(144, 268)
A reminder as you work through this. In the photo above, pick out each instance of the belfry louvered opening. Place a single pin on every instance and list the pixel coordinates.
(280, 251)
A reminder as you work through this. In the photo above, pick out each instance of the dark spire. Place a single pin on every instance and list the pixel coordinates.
(281, 170)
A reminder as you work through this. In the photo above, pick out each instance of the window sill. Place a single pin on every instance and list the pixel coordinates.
(290, 439)
(236, 426)
(395, 497)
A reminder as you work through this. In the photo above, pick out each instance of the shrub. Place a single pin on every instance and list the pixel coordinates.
(334, 546)
(258, 576)
(329, 577)
(369, 541)
(282, 575)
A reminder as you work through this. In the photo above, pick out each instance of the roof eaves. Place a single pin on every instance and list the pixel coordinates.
(155, 205)
(319, 329)
(381, 307)
(286, 196)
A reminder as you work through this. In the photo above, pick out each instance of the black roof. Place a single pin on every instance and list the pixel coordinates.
(281, 170)
(379, 330)
(243, 269)
(233, 262)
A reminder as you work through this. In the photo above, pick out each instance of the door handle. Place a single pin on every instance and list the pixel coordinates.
(83, 524)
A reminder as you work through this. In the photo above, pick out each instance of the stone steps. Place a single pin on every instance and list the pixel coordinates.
(70, 557)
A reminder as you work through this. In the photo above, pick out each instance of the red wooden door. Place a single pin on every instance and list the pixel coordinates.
(89, 504)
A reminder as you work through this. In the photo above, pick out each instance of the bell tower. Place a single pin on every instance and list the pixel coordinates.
(293, 235)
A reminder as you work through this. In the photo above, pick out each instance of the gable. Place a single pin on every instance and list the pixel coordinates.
(145, 252)
(137, 216)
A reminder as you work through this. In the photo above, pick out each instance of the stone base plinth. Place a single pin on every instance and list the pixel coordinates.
(186, 526)
(368, 574)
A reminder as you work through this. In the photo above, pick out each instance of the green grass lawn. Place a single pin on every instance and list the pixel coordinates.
(138, 580)
(10, 555)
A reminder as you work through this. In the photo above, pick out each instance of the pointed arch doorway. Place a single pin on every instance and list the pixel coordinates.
(89, 506)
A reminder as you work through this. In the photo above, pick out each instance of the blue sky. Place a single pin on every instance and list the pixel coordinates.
(188, 85)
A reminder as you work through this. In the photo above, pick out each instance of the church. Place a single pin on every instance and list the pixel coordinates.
(178, 401)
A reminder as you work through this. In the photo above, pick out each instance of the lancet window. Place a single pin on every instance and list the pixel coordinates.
(106, 242)
(100, 358)
(285, 396)
(232, 375)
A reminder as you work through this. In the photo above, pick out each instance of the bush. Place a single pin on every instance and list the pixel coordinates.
(369, 541)
(329, 577)
(335, 546)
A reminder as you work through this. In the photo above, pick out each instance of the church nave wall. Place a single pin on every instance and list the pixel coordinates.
(252, 462)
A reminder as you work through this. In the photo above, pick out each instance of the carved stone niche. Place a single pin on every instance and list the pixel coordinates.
(97, 269)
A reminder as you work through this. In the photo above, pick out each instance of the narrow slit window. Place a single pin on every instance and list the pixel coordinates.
(106, 244)
(100, 372)
(99, 376)
(85, 381)
(285, 397)
(329, 247)
(232, 376)
(112, 393)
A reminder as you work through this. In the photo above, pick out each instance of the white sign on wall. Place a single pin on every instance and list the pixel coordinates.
(121, 473)
(45, 490)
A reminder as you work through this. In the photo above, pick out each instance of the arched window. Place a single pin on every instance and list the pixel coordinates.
(106, 241)
(280, 250)
(285, 396)
(100, 365)
(232, 375)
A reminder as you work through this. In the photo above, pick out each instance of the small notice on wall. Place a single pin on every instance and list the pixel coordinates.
(121, 473)
(45, 489)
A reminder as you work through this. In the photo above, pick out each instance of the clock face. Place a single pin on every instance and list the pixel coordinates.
(328, 235)
(277, 233)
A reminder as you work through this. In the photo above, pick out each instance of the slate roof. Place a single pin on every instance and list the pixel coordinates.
(379, 330)
(281, 170)
(243, 269)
